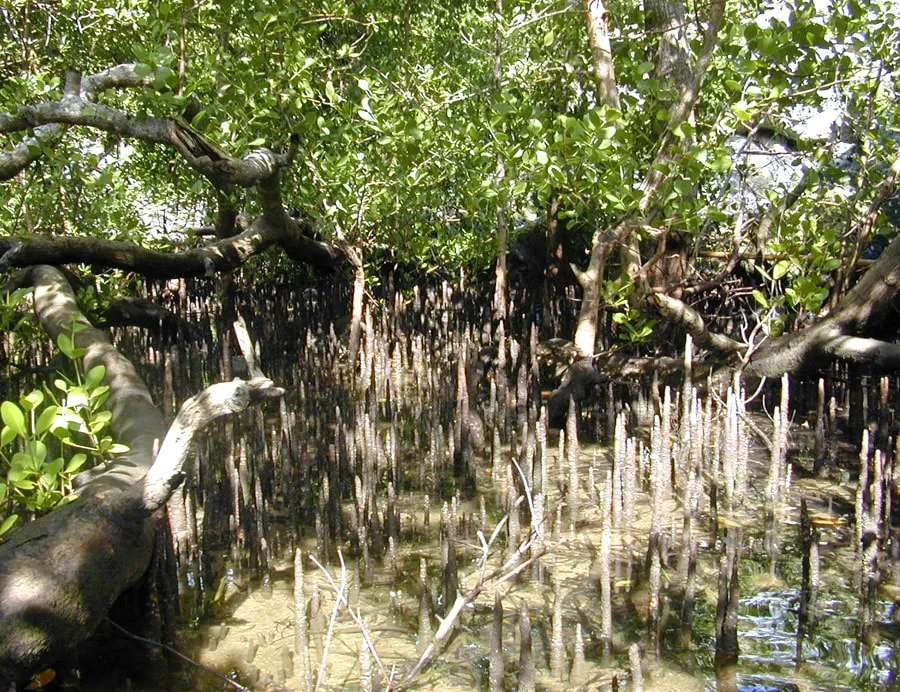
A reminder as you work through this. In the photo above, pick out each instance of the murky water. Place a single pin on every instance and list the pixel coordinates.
(341, 471)
(257, 620)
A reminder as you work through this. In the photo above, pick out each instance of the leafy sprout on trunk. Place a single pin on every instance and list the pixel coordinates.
(52, 433)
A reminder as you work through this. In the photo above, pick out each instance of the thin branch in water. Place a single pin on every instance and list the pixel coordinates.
(166, 647)
(356, 616)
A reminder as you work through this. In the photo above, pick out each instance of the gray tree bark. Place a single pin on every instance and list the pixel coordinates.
(60, 574)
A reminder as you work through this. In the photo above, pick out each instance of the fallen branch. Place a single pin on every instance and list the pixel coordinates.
(678, 312)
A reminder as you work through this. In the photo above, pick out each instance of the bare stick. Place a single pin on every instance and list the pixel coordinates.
(339, 597)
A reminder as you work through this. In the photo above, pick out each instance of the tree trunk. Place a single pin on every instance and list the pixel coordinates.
(621, 234)
(589, 313)
(850, 332)
(668, 19)
(60, 574)
(597, 22)
(500, 273)
(354, 253)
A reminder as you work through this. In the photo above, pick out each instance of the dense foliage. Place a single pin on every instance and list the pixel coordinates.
(402, 117)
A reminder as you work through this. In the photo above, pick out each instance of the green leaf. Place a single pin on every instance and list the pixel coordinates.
(66, 499)
(38, 452)
(331, 93)
(13, 417)
(15, 474)
(8, 523)
(103, 417)
(760, 298)
(98, 392)
(682, 130)
(54, 466)
(76, 462)
(118, 448)
(549, 39)
(164, 77)
(64, 341)
(95, 375)
(780, 269)
(76, 397)
(743, 110)
(683, 187)
(32, 400)
(7, 435)
(721, 164)
(607, 133)
(542, 157)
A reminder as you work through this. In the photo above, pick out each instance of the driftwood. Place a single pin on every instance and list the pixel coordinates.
(60, 574)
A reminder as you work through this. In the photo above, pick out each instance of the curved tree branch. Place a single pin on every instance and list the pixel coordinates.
(259, 169)
(222, 255)
(195, 414)
(139, 312)
(864, 312)
(46, 136)
(136, 421)
(678, 312)
(201, 153)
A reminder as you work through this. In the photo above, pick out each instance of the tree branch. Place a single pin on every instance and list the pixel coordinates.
(195, 414)
(138, 312)
(597, 19)
(674, 310)
(60, 574)
(223, 255)
(78, 107)
(136, 422)
(682, 110)
(863, 311)
(201, 154)
(865, 227)
(46, 136)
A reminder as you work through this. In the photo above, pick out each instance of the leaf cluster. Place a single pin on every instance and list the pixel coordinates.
(50, 434)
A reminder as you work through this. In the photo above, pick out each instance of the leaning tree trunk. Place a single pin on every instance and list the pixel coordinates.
(60, 574)
(851, 332)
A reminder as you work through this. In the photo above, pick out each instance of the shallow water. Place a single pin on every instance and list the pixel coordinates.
(275, 479)
(260, 619)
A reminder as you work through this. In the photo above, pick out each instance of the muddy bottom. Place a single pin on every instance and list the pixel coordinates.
(250, 634)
